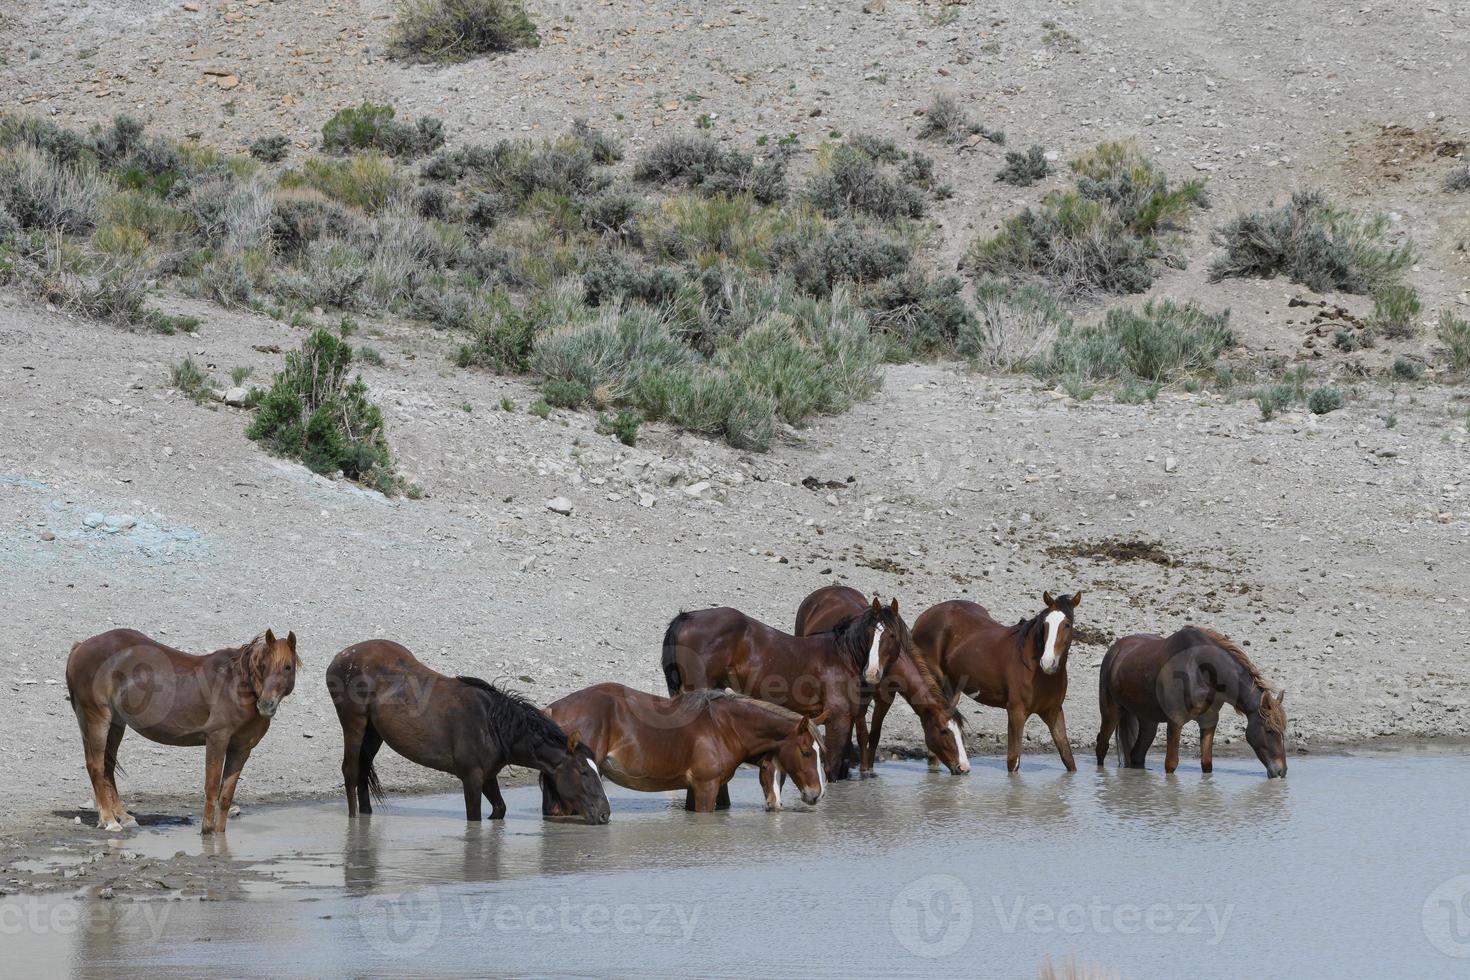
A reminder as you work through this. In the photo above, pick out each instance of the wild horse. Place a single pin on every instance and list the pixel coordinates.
(223, 701)
(459, 725)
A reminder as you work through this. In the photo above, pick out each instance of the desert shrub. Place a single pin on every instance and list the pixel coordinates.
(137, 160)
(1458, 178)
(508, 172)
(1454, 333)
(945, 120)
(302, 216)
(1024, 169)
(1157, 342)
(458, 30)
(190, 379)
(370, 356)
(612, 212)
(701, 164)
(1012, 326)
(1312, 242)
(330, 273)
(504, 336)
(226, 213)
(918, 315)
(44, 194)
(1405, 369)
(224, 279)
(269, 149)
(623, 426)
(1325, 399)
(1119, 175)
(612, 353)
(609, 279)
(61, 144)
(605, 149)
(1396, 310)
(366, 181)
(372, 126)
(701, 229)
(851, 180)
(818, 257)
(811, 368)
(1078, 246)
(313, 412)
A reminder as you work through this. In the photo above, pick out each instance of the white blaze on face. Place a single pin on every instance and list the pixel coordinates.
(821, 769)
(595, 771)
(959, 742)
(1052, 626)
(871, 673)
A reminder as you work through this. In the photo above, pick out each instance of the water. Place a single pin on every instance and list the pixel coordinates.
(1352, 866)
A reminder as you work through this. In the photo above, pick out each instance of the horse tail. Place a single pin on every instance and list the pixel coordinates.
(673, 676)
(366, 771)
(1127, 736)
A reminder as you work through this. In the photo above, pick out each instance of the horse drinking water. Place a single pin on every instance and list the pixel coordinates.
(458, 725)
(1148, 680)
(223, 701)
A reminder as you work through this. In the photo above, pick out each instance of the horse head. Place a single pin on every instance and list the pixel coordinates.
(1053, 626)
(1265, 732)
(272, 667)
(577, 781)
(800, 757)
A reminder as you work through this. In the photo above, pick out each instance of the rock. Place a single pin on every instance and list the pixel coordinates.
(106, 894)
(875, 6)
(560, 505)
(119, 522)
(237, 397)
(47, 536)
(93, 519)
(695, 489)
(646, 499)
(1170, 464)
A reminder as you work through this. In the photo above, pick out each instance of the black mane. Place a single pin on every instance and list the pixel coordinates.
(513, 717)
(850, 635)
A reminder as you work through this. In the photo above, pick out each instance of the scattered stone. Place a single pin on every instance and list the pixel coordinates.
(47, 536)
(1170, 464)
(646, 499)
(94, 520)
(237, 397)
(560, 505)
(695, 489)
(119, 522)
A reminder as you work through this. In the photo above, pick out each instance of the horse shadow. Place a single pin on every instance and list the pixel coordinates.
(89, 818)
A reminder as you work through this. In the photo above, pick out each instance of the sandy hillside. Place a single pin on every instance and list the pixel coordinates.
(1336, 545)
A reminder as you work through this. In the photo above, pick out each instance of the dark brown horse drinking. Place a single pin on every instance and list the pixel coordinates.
(819, 676)
(1021, 668)
(1148, 680)
(223, 701)
(458, 725)
(693, 742)
(892, 657)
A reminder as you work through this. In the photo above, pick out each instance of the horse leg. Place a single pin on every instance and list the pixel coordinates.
(704, 797)
(1141, 742)
(769, 789)
(1171, 747)
(214, 764)
(1056, 721)
(1207, 749)
(109, 772)
(352, 732)
(235, 758)
(492, 793)
(839, 729)
(95, 735)
(881, 703)
(722, 799)
(1105, 733)
(1015, 725)
(474, 785)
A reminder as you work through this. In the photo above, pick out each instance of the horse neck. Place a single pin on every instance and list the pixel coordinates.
(760, 730)
(533, 752)
(847, 647)
(1245, 692)
(912, 682)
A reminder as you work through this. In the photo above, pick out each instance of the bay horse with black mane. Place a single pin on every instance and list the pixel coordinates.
(819, 676)
(459, 725)
(223, 701)
(1021, 668)
(898, 671)
(693, 742)
(1148, 680)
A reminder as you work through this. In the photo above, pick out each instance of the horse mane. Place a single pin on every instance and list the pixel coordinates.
(847, 635)
(513, 716)
(704, 696)
(938, 685)
(1271, 710)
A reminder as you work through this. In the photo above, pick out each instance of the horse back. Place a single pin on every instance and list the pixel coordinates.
(827, 607)
(959, 638)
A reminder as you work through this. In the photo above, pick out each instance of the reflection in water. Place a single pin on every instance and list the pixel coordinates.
(1013, 851)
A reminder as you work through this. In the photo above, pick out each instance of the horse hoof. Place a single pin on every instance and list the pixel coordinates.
(130, 822)
(112, 825)
(234, 811)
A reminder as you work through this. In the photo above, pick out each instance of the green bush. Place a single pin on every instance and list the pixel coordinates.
(190, 380)
(372, 126)
(1458, 178)
(1454, 333)
(270, 149)
(329, 274)
(1119, 175)
(1013, 326)
(1309, 241)
(1077, 246)
(703, 165)
(1405, 369)
(1024, 169)
(852, 181)
(945, 120)
(1396, 310)
(44, 194)
(624, 426)
(1158, 343)
(314, 413)
(459, 30)
(1324, 400)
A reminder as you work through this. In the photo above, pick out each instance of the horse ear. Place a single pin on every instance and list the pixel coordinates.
(877, 605)
(820, 719)
(893, 606)
(1049, 599)
(270, 637)
(573, 740)
(291, 640)
(1281, 696)
(1077, 598)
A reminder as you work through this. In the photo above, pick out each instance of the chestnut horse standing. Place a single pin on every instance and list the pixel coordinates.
(1148, 680)
(819, 676)
(458, 725)
(693, 742)
(1021, 668)
(900, 673)
(223, 701)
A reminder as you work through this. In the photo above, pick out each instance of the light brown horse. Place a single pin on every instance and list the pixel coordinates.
(459, 725)
(1148, 680)
(819, 676)
(693, 742)
(223, 701)
(899, 672)
(1021, 668)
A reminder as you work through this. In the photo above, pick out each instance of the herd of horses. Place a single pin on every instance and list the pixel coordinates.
(793, 705)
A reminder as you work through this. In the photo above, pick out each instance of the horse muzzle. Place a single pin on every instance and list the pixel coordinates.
(598, 818)
(811, 798)
(267, 708)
